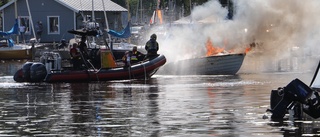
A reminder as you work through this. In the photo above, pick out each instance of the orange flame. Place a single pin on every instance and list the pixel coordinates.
(159, 13)
(247, 50)
(211, 50)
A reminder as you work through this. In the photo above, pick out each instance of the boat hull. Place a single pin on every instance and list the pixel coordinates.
(139, 71)
(8, 54)
(228, 64)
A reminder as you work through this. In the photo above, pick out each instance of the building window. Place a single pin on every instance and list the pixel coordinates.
(54, 25)
(25, 21)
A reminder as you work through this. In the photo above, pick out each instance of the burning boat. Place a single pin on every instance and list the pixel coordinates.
(216, 62)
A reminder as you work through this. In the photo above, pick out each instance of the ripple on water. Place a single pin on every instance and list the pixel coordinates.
(161, 106)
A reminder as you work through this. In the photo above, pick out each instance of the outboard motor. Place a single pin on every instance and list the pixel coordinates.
(287, 98)
(26, 71)
(38, 72)
(52, 61)
(312, 107)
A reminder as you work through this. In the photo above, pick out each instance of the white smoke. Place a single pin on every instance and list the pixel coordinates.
(282, 29)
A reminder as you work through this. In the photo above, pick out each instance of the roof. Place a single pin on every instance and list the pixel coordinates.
(7, 4)
(86, 5)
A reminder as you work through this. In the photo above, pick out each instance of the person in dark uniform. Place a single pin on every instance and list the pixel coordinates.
(83, 47)
(152, 47)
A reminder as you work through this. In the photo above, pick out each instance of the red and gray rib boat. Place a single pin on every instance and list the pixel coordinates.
(39, 72)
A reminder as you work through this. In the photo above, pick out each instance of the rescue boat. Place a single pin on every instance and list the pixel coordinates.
(100, 65)
(49, 70)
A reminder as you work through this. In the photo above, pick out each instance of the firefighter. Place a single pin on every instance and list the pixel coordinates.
(136, 55)
(152, 47)
(132, 57)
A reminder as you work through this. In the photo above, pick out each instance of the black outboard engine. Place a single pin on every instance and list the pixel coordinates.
(26, 71)
(312, 107)
(31, 72)
(38, 72)
(50, 62)
(287, 98)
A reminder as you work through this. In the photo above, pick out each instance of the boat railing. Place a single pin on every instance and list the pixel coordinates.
(52, 61)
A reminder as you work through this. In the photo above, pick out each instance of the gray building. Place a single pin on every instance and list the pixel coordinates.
(59, 16)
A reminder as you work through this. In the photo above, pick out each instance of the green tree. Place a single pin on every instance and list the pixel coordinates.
(120, 2)
(148, 6)
(3, 2)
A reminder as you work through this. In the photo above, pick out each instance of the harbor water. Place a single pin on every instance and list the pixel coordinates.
(165, 105)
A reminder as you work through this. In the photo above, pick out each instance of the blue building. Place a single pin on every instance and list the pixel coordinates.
(59, 16)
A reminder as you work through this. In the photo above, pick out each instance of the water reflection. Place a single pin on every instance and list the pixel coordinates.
(8, 68)
(304, 127)
(162, 106)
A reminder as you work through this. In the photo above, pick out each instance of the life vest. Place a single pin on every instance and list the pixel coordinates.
(134, 56)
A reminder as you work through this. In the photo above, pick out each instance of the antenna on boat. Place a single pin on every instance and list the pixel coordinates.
(93, 17)
(83, 17)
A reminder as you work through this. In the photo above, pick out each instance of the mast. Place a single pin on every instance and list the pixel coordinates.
(93, 20)
(129, 18)
(137, 11)
(106, 19)
(16, 16)
(34, 34)
(141, 19)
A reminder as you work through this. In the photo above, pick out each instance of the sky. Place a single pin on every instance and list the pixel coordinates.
(286, 34)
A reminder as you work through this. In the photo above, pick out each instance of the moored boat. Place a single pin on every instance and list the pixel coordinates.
(7, 53)
(10, 50)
